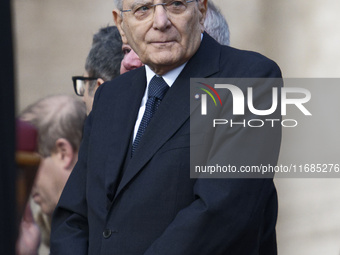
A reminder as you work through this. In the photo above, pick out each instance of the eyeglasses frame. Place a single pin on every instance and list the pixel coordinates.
(154, 6)
(83, 78)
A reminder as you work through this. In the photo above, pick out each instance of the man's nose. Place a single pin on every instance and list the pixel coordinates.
(161, 19)
(132, 61)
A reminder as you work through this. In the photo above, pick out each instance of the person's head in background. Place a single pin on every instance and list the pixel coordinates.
(102, 64)
(215, 25)
(59, 121)
(130, 60)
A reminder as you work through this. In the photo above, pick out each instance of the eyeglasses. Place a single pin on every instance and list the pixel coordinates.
(143, 11)
(79, 84)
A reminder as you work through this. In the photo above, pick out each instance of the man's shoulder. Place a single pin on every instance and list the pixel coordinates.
(227, 61)
(242, 55)
(125, 87)
(246, 63)
(123, 81)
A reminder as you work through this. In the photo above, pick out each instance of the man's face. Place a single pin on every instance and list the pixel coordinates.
(130, 61)
(163, 40)
(49, 183)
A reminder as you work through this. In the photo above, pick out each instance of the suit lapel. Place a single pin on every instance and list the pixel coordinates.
(174, 109)
(126, 112)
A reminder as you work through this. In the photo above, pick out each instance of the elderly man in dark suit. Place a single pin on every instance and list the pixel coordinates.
(131, 192)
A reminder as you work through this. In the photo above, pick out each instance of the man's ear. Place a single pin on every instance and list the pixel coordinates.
(203, 7)
(117, 18)
(65, 153)
(99, 82)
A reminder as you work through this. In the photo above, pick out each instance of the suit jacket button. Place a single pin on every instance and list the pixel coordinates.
(107, 233)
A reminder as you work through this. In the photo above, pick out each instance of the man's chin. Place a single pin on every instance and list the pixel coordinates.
(163, 59)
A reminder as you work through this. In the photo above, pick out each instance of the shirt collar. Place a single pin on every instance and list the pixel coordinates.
(169, 77)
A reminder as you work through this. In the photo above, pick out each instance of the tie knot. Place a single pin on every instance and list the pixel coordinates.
(157, 87)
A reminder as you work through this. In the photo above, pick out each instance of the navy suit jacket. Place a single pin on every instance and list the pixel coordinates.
(147, 204)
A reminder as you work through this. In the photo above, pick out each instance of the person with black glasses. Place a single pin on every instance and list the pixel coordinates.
(102, 64)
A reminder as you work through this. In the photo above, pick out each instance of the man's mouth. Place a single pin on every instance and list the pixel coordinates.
(162, 43)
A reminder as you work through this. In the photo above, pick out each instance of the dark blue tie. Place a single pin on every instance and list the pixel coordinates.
(156, 92)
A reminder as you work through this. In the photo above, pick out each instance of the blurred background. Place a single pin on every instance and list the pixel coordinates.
(52, 39)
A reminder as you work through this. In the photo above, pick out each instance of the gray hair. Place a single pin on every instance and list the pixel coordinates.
(60, 116)
(118, 4)
(216, 25)
(103, 60)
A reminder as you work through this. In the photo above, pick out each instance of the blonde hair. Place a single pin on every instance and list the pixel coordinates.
(60, 116)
